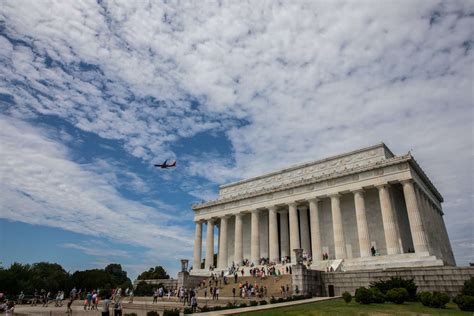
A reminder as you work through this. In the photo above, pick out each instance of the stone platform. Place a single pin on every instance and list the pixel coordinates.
(406, 260)
(449, 280)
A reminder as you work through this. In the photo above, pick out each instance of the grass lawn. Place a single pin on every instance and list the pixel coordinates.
(339, 307)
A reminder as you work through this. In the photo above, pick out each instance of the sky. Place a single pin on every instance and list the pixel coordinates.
(93, 93)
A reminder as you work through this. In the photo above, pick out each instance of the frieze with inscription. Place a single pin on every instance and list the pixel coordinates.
(304, 172)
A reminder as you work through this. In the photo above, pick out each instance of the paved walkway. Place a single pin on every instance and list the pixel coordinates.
(264, 307)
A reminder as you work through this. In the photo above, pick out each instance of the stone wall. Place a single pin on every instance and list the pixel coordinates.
(167, 283)
(306, 281)
(446, 279)
(189, 281)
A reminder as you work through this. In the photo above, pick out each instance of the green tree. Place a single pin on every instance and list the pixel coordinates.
(118, 276)
(157, 272)
(145, 289)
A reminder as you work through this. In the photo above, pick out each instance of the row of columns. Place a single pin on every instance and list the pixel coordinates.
(313, 240)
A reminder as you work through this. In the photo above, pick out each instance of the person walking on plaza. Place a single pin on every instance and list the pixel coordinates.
(105, 306)
(69, 303)
(130, 295)
(118, 309)
(155, 296)
(194, 304)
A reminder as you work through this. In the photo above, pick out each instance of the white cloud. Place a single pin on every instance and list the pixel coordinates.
(40, 185)
(309, 79)
(97, 250)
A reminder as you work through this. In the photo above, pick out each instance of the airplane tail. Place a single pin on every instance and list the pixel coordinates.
(174, 164)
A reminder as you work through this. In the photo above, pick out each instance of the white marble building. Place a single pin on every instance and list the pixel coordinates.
(342, 206)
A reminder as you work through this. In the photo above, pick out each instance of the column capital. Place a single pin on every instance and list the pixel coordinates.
(272, 208)
(256, 211)
(359, 191)
(303, 207)
(226, 216)
(240, 214)
(210, 220)
(314, 199)
(407, 181)
(293, 204)
(334, 195)
(383, 185)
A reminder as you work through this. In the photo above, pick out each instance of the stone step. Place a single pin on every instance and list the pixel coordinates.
(273, 285)
(404, 256)
(393, 264)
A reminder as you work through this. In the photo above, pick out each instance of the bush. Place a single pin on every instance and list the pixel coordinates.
(377, 295)
(397, 282)
(188, 310)
(263, 302)
(171, 312)
(130, 314)
(273, 300)
(397, 296)
(347, 297)
(243, 305)
(217, 308)
(425, 298)
(253, 303)
(465, 302)
(281, 299)
(363, 296)
(468, 288)
(435, 299)
(439, 300)
(152, 313)
(230, 305)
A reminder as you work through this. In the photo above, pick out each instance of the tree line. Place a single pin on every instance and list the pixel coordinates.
(52, 277)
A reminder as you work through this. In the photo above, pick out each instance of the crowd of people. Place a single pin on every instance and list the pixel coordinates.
(7, 306)
(93, 300)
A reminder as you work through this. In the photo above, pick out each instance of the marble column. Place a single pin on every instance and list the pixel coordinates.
(197, 246)
(362, 227)
(316, 250)
(238, 245)
(388, 218)
(273, 234)
(304, 229)
(414, 217)
(339, 241)
(222, 262)
(294, 233)
(255, 237)
(210, 244)
(284, 234)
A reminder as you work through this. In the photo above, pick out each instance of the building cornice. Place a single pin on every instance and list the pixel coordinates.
(414, 164)
(306, 164)
(316, 179)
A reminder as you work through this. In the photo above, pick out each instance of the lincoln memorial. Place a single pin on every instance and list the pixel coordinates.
(364, 209)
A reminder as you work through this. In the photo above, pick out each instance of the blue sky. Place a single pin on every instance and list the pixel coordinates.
(92, 94)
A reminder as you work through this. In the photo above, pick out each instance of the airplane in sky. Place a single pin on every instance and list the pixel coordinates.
(164, 165)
